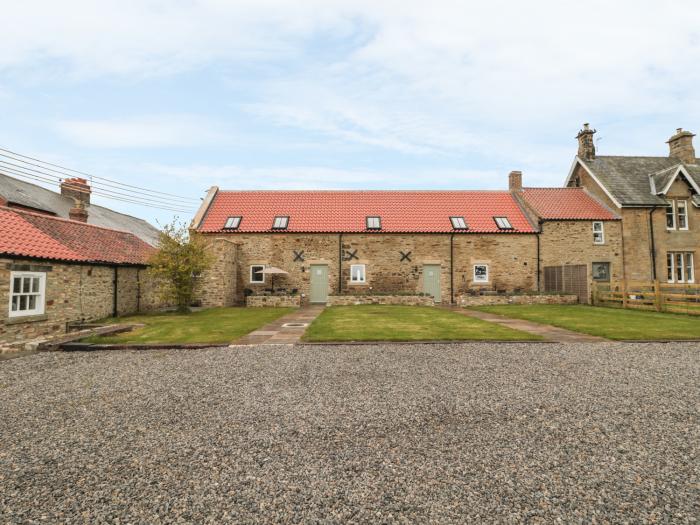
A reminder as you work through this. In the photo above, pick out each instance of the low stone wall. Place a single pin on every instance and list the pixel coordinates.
(488, 300)
(411, 300)
(274, 301)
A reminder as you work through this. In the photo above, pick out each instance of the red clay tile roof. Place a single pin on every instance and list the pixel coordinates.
(41, 236)
(567, 203)
(346, 211)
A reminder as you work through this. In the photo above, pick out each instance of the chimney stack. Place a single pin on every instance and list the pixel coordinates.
(586, 147)
(76, 188)
(515, 181)
(681, 146)
(78, 212)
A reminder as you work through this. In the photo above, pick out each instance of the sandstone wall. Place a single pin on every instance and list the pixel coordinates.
(407, 300)
(488, 300)
(273, 301)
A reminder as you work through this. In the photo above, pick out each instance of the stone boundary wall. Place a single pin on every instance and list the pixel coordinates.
(489, 300)
(273, 301)
(411, 300)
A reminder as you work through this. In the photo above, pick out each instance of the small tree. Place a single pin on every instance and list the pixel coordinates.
(180, 259)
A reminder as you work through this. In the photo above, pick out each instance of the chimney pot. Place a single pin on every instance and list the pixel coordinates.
(680, 146)
(515, 181)
(586, 146)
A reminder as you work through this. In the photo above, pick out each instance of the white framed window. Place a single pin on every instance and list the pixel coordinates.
(458, 223)
(27, 293)
(671, 216)
(357, 273)
(280, 223)
(481, 273)
(598, 232)
(682, 214)
(503, 223)
(232, 223)
(374, 223)
(680, 267)
(256, 275)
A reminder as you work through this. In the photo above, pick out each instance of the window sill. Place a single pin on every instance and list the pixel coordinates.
(27, 319)
(355, 283)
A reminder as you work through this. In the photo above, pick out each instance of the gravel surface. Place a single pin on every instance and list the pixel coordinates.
(429, 433)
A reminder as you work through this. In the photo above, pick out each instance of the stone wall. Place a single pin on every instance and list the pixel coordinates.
(488, 300)
(409, 300)
(273, 301)
(512, 260)
(75, 293)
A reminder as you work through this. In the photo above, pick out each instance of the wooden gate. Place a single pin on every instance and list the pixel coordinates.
(568, 279)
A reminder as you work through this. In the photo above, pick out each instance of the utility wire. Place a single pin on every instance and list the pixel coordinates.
(83, 174)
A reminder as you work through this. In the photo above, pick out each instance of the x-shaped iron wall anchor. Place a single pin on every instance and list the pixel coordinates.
(405, 256)
(350, 255)
(298, 256)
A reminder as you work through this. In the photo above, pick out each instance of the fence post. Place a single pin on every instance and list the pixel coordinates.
(657, 296)
(624, 293)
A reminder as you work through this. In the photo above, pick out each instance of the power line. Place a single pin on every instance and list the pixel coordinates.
(16, 168)
(84, 174)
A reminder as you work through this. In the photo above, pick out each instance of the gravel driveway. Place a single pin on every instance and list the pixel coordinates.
(441, 433)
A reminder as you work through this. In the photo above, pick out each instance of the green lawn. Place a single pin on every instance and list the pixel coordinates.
(215, 325)
(403, 323)
(611, 323)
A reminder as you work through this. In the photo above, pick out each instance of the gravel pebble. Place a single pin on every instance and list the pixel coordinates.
(534, 433)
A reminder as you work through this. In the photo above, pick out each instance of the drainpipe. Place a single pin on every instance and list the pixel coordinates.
(537, 235)
(452, 271)
(340, 264)
(115, 310)
(652, 244)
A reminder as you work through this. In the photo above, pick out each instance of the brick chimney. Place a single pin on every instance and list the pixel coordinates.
(681, 146)
(586, 147)
(515, 181)
(78, 212)
(76, 188)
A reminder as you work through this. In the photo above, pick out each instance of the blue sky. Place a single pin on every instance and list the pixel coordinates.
(181, 95)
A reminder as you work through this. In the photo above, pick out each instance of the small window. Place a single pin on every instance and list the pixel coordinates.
(27, 296)
(671, 216)
(280, 223)
(481, 273)
(256, 275)
(232, 223)
(503, 223)
(458, 223)
(357, 273)
(601, 271)
(598, 233)
(682, 213)
(680, 267)
(374, 223)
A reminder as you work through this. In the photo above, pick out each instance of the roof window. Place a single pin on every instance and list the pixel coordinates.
(374, 223)
(280, 223)
(503, 223)
(232, 223)
(458, 223)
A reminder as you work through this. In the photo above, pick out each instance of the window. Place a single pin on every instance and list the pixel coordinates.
(458, 223)
(679, 267)
(598, 233)
(503, 223)
(357, 273)
(677, 215)
(374, 223)
(481, 273)
(280, 223)
(27, 294)
(256, 275)
(682, 213)
(232, 223)
(601, 271)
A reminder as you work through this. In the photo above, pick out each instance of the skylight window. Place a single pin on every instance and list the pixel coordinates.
(232, 223)
(458, 223)
(374, 223)
(503, 223)
(280, 223)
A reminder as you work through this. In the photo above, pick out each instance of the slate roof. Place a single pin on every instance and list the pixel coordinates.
(566, 204)
(628, 178)
(37, 198)
(36, 235)
(346, 211)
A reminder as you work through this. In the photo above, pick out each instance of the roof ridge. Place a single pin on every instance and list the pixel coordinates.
(363, 191)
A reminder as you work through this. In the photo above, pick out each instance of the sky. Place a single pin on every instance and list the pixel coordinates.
(180, 95)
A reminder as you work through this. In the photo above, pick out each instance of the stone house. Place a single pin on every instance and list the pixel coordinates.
(441, 243)
(56, 272)
(658, 199)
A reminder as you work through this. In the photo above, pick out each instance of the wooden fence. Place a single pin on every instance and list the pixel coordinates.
(649, 295)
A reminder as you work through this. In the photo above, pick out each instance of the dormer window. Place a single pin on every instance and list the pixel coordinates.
(458, 223)
(232, 223)
(677, 215)
(280, 223)
(503, 223)
(374, 223)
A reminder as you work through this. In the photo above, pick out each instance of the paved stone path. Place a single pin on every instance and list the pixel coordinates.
(276, 333)
(549, 332)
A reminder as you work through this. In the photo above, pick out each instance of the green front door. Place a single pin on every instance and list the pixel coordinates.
(431, 281)
(319, 283)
